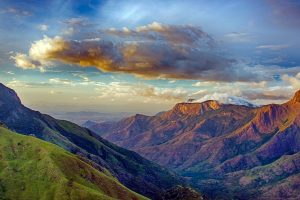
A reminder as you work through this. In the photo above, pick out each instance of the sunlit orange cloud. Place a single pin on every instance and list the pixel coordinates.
(153, 51)
(144, 59)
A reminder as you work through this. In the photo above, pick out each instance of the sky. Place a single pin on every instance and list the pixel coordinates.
(145, 56)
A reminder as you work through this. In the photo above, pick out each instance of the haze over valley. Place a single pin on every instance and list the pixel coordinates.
(162, 100)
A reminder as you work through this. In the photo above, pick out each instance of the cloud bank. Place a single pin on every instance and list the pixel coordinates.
(119, 90)
(152, 51)
(225, 98)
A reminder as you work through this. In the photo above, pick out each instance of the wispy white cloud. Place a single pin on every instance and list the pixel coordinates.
(61, 81)
(273, 47)
(238, 37)
(43, 27)
(294, 81)
(15, 83)
(117, 90)
(15, 11)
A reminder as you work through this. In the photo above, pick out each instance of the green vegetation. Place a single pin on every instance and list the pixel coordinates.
(34, 169)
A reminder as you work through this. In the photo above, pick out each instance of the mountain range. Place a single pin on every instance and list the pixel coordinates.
(129, 168)
(227, 151)
(83, 116)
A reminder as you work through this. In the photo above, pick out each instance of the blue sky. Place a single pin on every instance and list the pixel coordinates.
(145, 56)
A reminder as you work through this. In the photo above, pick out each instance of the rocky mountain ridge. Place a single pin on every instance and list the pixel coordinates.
(215, 145)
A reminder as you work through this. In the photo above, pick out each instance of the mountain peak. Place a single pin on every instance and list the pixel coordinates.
(196, 108)
(8, 96)
(296, 98)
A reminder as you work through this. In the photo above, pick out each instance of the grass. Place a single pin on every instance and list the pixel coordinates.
(34, 169)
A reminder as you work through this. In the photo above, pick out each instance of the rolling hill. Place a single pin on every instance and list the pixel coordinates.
(243, 152)
(33, 169)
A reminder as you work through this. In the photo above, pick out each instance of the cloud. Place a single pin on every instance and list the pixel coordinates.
(238, 37)
(143, 59)
(226, 99)
(164, 93)
(273, 47)
(264, 92)
(16, 12)
(77, 25)
(180, 34)
(294, 81)
(61, 81)
(275, 70)
(154, 51)
(25, 84)
(16, 83)
(83, 77)
(76, 21)
(146, 92)
(25, 62)
(267, 94)
(43, 27)
(221, 86)
(44, 49)
(246, 95)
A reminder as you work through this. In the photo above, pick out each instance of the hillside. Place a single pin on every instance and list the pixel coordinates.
(132, 170)
(220, 146)
(34, 169)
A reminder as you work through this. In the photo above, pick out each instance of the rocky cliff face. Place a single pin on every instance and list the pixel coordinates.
(296, 98)
(217, 145)
(193, 109)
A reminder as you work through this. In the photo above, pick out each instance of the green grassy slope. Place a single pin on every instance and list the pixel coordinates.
(34, 169)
